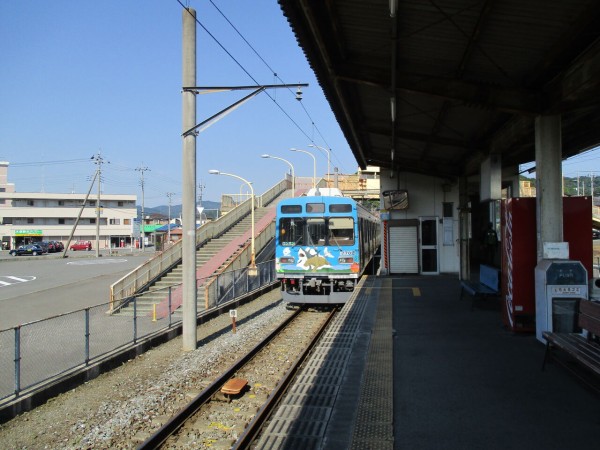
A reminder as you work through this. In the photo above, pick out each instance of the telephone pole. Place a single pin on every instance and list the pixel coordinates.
(142, 169)
(169, 195)
(201, 188)
(98, 160)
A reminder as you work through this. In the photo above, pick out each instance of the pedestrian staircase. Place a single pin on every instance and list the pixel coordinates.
(223, 248)
(158, 290)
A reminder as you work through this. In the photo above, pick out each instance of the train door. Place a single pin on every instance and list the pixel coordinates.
(429, 245)
(403, 246)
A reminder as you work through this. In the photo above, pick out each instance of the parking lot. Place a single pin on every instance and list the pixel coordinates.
(38, 287)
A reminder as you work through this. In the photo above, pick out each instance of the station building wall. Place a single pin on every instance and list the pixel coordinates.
(428, 198)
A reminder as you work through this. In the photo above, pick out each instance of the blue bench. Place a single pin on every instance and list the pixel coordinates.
(487, 286)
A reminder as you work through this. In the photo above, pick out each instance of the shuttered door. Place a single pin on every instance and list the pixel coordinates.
(404, 255)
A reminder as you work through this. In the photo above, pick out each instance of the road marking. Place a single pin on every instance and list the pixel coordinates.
(14, 280)
(91, 262)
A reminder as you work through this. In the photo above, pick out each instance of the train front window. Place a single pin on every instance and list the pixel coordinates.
(291, 231)
(317, 232)
(341, 231)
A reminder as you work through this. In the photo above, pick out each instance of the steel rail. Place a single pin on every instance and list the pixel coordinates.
(254, 427)
(176, 422)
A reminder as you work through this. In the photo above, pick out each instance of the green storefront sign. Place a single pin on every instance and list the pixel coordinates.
(28, 233)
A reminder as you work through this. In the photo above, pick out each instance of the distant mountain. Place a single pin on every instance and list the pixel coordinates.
(210, 209)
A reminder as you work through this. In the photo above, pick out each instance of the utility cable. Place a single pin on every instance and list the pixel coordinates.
(274, 73)
(248, 73)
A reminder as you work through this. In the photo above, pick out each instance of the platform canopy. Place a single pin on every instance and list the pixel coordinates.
(434, 87)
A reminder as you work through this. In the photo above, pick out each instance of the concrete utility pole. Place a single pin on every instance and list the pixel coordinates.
(64, 255)
(98, 160)
(142, 169)
(188, 213)
(201, 187)
(169, 195)
(190, 131)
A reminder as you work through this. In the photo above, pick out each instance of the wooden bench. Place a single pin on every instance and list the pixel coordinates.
(488, 285)
(583, 347)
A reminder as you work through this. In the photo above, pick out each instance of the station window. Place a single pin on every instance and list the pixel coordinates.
(317, 231)
(291, 209)
(315, 207)
(341, 231)
(291, 231)
(340, 208)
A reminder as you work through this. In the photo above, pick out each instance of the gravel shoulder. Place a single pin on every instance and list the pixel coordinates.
(119, 409)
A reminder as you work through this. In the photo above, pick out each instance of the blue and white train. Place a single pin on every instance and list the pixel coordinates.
(323, 244)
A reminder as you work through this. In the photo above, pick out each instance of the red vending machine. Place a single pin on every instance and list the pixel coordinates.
(519, 253)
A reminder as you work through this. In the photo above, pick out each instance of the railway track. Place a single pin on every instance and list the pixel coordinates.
(217, 420)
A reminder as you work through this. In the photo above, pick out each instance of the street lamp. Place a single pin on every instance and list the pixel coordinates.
(252, 269)
(328, 159)
(291, 167)
(314, 164)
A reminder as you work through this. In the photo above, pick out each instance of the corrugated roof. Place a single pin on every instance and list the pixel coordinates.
(469, 77)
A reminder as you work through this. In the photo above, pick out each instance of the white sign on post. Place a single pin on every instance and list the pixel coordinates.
(233, 313)
(556, 250)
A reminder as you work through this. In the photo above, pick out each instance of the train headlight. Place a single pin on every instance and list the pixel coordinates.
(287, 260)
(345, 260)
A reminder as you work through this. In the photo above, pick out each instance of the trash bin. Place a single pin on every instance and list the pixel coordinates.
(564, 315)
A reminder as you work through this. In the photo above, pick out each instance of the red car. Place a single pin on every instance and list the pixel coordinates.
(81, 245)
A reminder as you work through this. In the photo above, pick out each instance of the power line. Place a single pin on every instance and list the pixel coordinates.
(272, 71)
(49, 163)
(253, 79)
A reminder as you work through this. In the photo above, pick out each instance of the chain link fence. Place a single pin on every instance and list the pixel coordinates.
(35, 353)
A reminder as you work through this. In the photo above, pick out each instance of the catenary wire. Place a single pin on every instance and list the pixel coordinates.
(253, 79)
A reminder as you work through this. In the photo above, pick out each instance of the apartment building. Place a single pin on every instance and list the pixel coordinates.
(27, 217)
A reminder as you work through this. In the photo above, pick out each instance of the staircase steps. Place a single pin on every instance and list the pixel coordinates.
(158, 291)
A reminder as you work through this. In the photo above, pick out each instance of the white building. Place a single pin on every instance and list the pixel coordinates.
(29, 217)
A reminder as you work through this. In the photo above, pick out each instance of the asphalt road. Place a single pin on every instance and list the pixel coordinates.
(38, 287)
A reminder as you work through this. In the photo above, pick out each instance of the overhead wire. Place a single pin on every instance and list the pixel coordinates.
(253, 79)
(49, 163)
(275, 74)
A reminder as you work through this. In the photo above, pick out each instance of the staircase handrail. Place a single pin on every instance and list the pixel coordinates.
(142, 276)
(241, 260)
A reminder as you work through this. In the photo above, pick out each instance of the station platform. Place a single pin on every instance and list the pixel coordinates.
(408, 365)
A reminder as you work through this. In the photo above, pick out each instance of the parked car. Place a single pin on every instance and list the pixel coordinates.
(31, 249)
(595, 234)
(48, 246)
(44, 245)
(58, 246)
(81, 245)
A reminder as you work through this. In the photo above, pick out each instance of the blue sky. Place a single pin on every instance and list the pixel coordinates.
(82, 78)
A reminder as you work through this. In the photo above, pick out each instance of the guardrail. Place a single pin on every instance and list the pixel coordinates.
(38, 352)
(241, 261)
(141, 277)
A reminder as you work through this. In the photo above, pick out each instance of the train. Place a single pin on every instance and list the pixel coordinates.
(323, 244)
